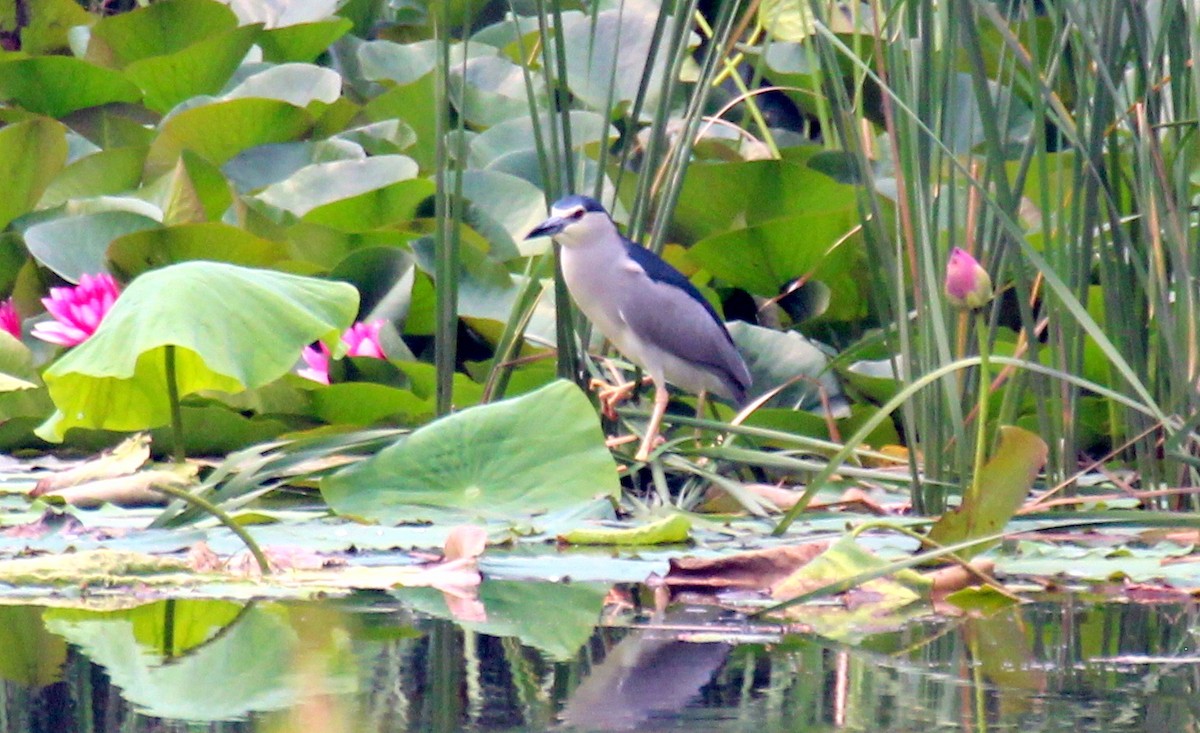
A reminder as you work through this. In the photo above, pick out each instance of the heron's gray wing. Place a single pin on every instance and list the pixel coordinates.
(665, 315)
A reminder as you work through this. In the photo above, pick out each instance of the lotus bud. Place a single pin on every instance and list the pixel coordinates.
(967, 283)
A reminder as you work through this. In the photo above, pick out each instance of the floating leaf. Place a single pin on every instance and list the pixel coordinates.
(511, 459)
(673, 529)
(234, 328)
(1004, 482)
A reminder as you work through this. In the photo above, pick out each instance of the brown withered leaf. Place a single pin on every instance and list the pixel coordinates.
(753, 570)
(124, 459)
(132, 490)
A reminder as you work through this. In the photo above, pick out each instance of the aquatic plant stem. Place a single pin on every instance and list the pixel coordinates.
(981, 415)
(221, 516)
(177, 452)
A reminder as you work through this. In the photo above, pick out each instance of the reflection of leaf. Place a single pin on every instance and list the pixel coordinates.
(1000, 644)
(536, 453)
(257, 651)
(1003, 484)
(234, 328)
(878, 604)
(32, 657)
(519, 608)
(752, 570)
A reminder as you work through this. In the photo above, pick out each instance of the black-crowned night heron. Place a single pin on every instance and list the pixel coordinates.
(645, 307)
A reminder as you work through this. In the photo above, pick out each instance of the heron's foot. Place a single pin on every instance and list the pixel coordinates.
(649, 443)
(611, 395)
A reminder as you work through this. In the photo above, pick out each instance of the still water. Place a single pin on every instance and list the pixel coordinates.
(541, 656)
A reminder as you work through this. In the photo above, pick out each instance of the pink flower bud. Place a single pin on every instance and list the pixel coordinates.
(967, 283)
(77, 310)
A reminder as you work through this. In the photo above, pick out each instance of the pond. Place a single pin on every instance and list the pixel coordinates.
(536, 656)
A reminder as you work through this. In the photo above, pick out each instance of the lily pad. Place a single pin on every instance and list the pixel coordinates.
(234, 328)
(508, 460)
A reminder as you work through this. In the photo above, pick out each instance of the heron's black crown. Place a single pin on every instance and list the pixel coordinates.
(587, 202)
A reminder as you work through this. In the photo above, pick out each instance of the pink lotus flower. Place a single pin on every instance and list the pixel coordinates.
(9, 319)
(967, 283)
(77, 311)
(361, 339)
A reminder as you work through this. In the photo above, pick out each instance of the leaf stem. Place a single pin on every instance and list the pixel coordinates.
(981, 416)
(221, 516)
(177, 451)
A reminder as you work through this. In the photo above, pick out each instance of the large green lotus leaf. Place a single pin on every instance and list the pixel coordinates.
(503, 209)
(234, 328)
(302, 41)
(200, 69)
(491, 89)
(415, 103)
(158, 29)
(718, 197)
(135, 253)
(297, 84)
(507, 460)
(256, 168)
(765, 258)
(59, 85)
(777, 358)
(380, 138)
(105, 172)
(31, 154)
(362, 403)
(221, 130)
(194, 191)
(74, 246)
(622, 36)
(44, 29)
(381, 207)
(323, 183)
(398, 63)
(518, 134)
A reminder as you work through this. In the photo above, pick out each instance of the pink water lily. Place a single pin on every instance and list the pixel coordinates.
(967, 283)
(361, 339)
(10, 320)
(77, 310)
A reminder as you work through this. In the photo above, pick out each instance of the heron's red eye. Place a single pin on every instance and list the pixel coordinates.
(577, 214)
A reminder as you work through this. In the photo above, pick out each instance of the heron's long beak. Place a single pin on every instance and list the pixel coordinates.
(548, 228)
